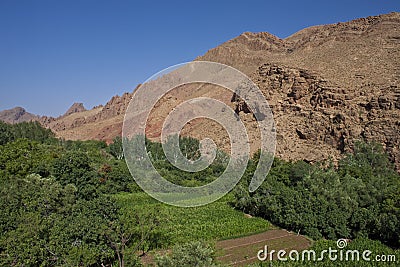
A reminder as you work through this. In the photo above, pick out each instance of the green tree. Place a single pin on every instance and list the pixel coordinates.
(359, 199)
(188, 255)
(116, 149)
(135, 230)
(33, 131)
(79, 237)
(6, 133)
(74, 167)
(115, 177)
(23, 157)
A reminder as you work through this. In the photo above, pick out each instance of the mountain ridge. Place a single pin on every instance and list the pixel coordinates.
(328, 85)
(17, 115)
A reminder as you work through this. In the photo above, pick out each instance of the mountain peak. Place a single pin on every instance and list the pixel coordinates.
(327, 86)
(17, 115)
(75, 108)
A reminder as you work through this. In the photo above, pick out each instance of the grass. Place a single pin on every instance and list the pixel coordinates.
(214, 221)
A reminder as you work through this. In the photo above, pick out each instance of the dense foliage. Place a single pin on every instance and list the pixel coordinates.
(54, 210)
(360, 198)
(75, 203)
(31, 130)
(190, 148)
(188, 255)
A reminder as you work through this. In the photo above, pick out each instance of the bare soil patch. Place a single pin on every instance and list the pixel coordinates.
(243, 251)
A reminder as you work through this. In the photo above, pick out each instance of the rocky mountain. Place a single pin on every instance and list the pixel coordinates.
(17, 115)
(75, 108)
(100, 122)
(327, 85)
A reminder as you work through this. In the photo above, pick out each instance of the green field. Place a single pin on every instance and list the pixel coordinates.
(215, 221)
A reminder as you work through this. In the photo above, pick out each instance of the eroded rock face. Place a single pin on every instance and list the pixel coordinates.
(317, 119)
(115, 107)
(327, 86)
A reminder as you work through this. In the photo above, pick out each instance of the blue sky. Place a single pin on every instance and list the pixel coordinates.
(55, 53)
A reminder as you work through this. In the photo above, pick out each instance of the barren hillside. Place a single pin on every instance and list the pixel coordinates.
(327, 85)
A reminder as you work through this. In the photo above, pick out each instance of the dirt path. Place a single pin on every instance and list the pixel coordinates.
(243, 251)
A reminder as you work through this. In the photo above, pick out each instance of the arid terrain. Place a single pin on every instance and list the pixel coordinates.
(327, 86)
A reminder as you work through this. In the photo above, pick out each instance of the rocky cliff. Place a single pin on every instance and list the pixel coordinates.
(327, 86)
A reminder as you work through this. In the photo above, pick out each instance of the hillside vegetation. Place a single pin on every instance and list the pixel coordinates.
(74, 203)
